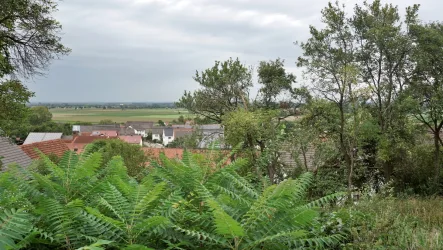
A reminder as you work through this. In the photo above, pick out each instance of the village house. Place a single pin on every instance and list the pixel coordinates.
(106, 133)
(157, 134)
(182, 132)
(126, 131)
(88, 129)
(140, 127)
(12, 154)
(168, 136)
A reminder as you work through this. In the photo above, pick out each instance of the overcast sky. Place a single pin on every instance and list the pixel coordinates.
(148, 50)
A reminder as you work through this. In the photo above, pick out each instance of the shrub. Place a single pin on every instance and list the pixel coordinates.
(133, 155)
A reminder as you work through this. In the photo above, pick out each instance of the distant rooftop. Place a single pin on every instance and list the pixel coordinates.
(57, 147)
(132, 139)
(109, 133)
(39, 137)
(169, 131)
(11, 153)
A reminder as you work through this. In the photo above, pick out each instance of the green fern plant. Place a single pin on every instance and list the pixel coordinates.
(239, 216)
(124, 209)
(16, 229)
(183, 204)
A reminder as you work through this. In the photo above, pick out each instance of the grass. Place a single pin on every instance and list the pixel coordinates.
(116, 115)
(389, 223)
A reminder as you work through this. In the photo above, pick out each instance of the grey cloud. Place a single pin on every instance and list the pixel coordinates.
(148, 50)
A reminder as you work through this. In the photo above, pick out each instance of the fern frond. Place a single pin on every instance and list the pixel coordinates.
(96, 246)
(228, 156)
(224, 224)
(32, 238)
(21, 178)
(168, 206)
(15, 225)
(114, 201)
(68, 160)
(147, 198)
(202, 236)
(289, 236)
(116, 224)
(55, 170)
(303, 217)
(187, 158)
(325, 200)
(155, 224)
(51, 188)
(261, 211)
(232, 194)
(318, 242)
(115, 167)
(87, 167)
(137, 247)
(125, 187)
(236, 182)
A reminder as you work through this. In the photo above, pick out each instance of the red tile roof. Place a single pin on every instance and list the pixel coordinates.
(133, 139)
(87, 139)
(57, 147)
(79, 142)
(169, 152)
(109, 133)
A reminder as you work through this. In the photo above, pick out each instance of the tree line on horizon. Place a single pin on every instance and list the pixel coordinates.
(363, 133)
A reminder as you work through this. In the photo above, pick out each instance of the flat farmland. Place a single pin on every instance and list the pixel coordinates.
(116, 115)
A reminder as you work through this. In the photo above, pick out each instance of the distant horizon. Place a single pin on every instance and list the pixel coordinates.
(96, 102)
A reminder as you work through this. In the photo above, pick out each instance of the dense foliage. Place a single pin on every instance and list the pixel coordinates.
(179, 204)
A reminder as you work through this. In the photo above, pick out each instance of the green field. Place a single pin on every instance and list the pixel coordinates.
(116, 115)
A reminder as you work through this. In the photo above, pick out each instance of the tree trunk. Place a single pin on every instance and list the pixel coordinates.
(271, 173)
(305, 161)
(387, 170)
(437, 157)
(351, 171)
(343, 146)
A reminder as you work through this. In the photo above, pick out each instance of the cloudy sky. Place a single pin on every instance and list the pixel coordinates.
(148, 50)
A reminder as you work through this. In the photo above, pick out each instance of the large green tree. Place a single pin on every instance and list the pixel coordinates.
(224, 88)
(29, 40)
(275, 82)
(13, 111)
(427, 84)
(29, 36)
(257, 129)
(39, 115)
(383, 49)
(329, 59)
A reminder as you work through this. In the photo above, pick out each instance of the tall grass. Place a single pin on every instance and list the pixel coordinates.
(390, 223)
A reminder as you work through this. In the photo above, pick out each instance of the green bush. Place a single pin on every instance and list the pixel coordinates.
(180, 205)
(133, 155)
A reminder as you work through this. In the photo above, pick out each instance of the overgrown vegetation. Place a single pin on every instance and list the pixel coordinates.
(394, 223)
(178, 205)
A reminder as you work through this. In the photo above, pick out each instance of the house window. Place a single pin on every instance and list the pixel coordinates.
(169, 137)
